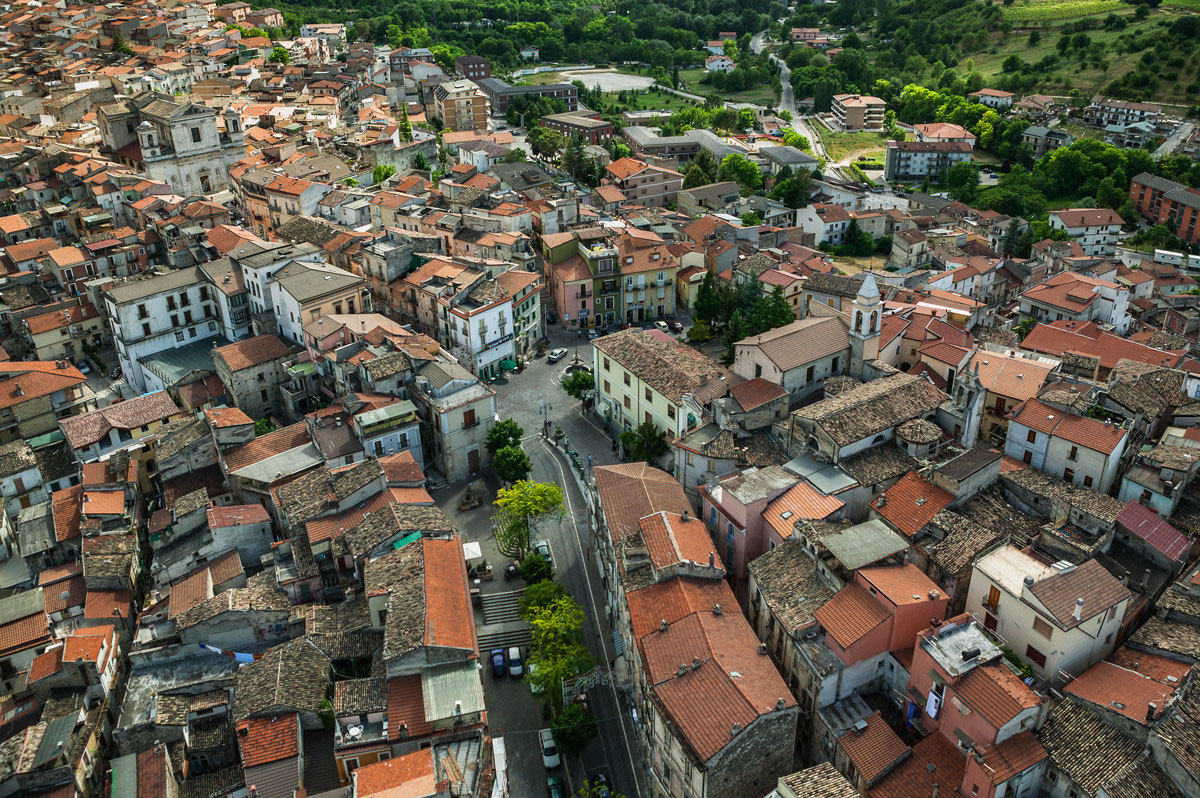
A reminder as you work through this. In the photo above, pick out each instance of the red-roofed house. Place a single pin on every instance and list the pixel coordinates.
(1068, 296)
(1095, 229)
(910, 504)
(1080, 450)
(1086, 338)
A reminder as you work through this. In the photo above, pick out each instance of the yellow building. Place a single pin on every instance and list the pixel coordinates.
(62, 334)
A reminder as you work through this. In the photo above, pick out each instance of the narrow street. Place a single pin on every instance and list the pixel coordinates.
(529, 398)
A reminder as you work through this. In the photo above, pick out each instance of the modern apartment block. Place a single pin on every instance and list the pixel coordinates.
(858, 112)
(460, 105)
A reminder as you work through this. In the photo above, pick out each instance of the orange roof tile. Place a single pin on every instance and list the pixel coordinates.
(1121, 690)
(24, 633)
(47, 663)
(1015, 755)
(911, 503)
(108, 604)
(800, 502)
(412, 775)
(268, 739)
(103, 502)
(1087, 432)
(449, 619)
(267, 445)
(406, 708)
(851, 614)
(875, 750)
(670, 539)
(934, 761)
(996, 693)
(900, 584)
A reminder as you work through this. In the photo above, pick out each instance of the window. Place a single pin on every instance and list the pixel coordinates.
(605, 361)
(1031, 436)
(648, 397)
(993, 598)
(834, 365)
(1074, 453)
(671, 412)
(808, 376)
(628, 404)
(1035, 656)
(179, 335)
(607, 388)
(757, 370)
(627, 378)
(263, 393)
(1043, 628)
(469, 418)
(1087, 482)
(195, 135)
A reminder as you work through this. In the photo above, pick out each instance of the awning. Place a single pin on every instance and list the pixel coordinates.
(508, 365)
(472, 551)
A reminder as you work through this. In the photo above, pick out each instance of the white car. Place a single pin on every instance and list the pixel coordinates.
(556, 355)
(662, 326)
(550, 757)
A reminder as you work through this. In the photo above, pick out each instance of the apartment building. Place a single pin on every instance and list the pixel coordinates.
(858, 112)
(916, 160)
(589, 127)
(643, 183)
(460, 105)
(34, 395)
(1096, 229)
(1074, 297)
(473, 67)
(304, 292)
(1105, 111)
(499, 94)
(993, 98)
(64, 332)
(1083, 451)
(1161, 201)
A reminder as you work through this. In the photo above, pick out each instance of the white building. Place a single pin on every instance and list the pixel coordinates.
(333, 34)
(916, 160)
(1060, 619)
(1080, 450)
(390, 430)
(457, 410)
(477, 326)
(259, 267)
(719, 63)
(1095, 229)
(1071, 296)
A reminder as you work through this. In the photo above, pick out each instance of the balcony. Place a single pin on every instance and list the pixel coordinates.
(353, 734)
(584, 294)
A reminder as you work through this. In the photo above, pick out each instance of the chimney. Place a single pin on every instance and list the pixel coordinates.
(682, 669)
(711, 563)
(695, 663)
(736, 729)
(1077, 613)
(662, 625)
(717, 609)
(686, 516)
(1028, 581)
(1151, 709)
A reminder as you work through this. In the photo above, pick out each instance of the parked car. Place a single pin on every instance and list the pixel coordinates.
(515, 668)
(556, 355)
(601, 787)
(542, 547)
(554, 786)
(593, 335)
(662, 326)
(498, 666)
(550, 757)
(677, 326)
(84, 367)
(115, 374)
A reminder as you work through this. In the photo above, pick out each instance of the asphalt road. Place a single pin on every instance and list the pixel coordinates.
(529, 398)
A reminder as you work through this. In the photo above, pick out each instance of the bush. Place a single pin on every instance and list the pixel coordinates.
(535, 569)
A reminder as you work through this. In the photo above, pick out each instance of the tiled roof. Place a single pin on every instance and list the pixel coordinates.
(911, 503)
(669, 367)
(755, 393)
(996, 693)
(238, 514)
(875, 750)
(1015, 755)
(900, 584)
(801, 501)
(290, 676)
(268, 739)
(267, 445)
(819, 781)
(629, 492)
(1011, 377)
(406, 708)
(873, 407)
(935, 763)
(359, 696)
(1085, 748)
(1099, 590)
(1081, 430)
(802, 342)
(1055, 340)
(669, 539)
(20, 385)
(1122, 690)
(412, 774)
(1144, 523)
(252, 351)
(788, 580)
(851, 614)
(86, 429)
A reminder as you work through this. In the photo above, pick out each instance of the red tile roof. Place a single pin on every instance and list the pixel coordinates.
(412, 774)
(47, 663)
(65, 594)
(236, 515)
(108, 604)
(1081, 430)
(252, 351)
(1015, 755)
(24, 633)
(406, 708)
(901, 584)
(1121, 690)
(449, 619)
(1088, 340)
(227, 417)
(669, 540)
(103, 502)
(1144, 523)
(267, 445)
(934, 760)
(911, 503)
(755, 393)
(996, 693)
(851, 614)
(875, 750)
(267, 739)
(800, 502)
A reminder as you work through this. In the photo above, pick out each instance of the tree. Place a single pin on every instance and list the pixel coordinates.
(699, 332)
(503, 433)
(382, 172)
(535, 569)
(556, 649)
(119, 45)
(770, 311)
(707, 306)
(574, 729)
(514, 155)
(578, 383)
(420, 162)
(350, 182)
(264, 426)
(522, 508)
(574, 160)
(751, 219)
(735, 332)
(644, 442)
(511, 464)
(707, 164)
(963, 179)
(280, 55)
(1024, 327)
(544, 141)
(404, 127)
(695, 176)
(741, 170)
(538, 595)
(1034, 37)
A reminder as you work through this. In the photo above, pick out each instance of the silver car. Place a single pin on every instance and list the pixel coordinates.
(556, 355)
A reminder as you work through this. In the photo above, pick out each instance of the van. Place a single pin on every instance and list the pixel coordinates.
(515, 668)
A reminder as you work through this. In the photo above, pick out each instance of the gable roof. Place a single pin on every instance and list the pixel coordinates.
(851, 614)
(1089, 581)
(631, 491)
(801, 342)
(84, 430)
(911, 503)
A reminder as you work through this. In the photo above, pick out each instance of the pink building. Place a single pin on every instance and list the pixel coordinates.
(733, 510)
(571, 286)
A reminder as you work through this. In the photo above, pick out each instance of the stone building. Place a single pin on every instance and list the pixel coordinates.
(252, 371)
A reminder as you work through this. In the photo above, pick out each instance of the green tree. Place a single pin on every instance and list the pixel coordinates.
(511, 464)
(514, 155)
(505, 432)
(119, 45)
(695, 176)
(574, 160)
(963, 179)
(544, 141)
(574, 729)
(752, 219)
(707, 164)
(264, 426)
(382, 172)
(741, 170)
(420, 162)
(350, 182)
(770, 311)
(578, 383)
(404, 127)
(700, 331)
(707, 306)
(280, 55)
(793, 139)
(536, 569)
(520, 510)
(556, 649)
(644, 442)
(1024, 327)
(735, 332)
(538, 595)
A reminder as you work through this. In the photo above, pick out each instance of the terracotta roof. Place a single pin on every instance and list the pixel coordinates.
(1085, 748)
(1081, 430)
(900, 584)
(1011, 377)
(996, 693)
(24, 633)
(800, 502)
(267, 445)
(934, 761)
(1088, 217)
(1099, 590)
(755, 393)
(1122, 690)
(669, 539)
(802, 342)
(1088, 339)
(108, 604)
(1015, 755)
(449, 619)
(268, 739)
(406, 708)
(402, 467)
(20, 383)
(631, 491)
(412, 774)
(190, 592)
(875, 750)
(252, 351)
(1144, 523)
(84, 430)
(911, 503)
(851, 614)
(236, 515)
(873, 407)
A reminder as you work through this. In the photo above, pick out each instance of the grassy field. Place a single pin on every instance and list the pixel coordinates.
(650, 100)
(1091, 77)
(1082, 131)
(840, 145)
(689, 80)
